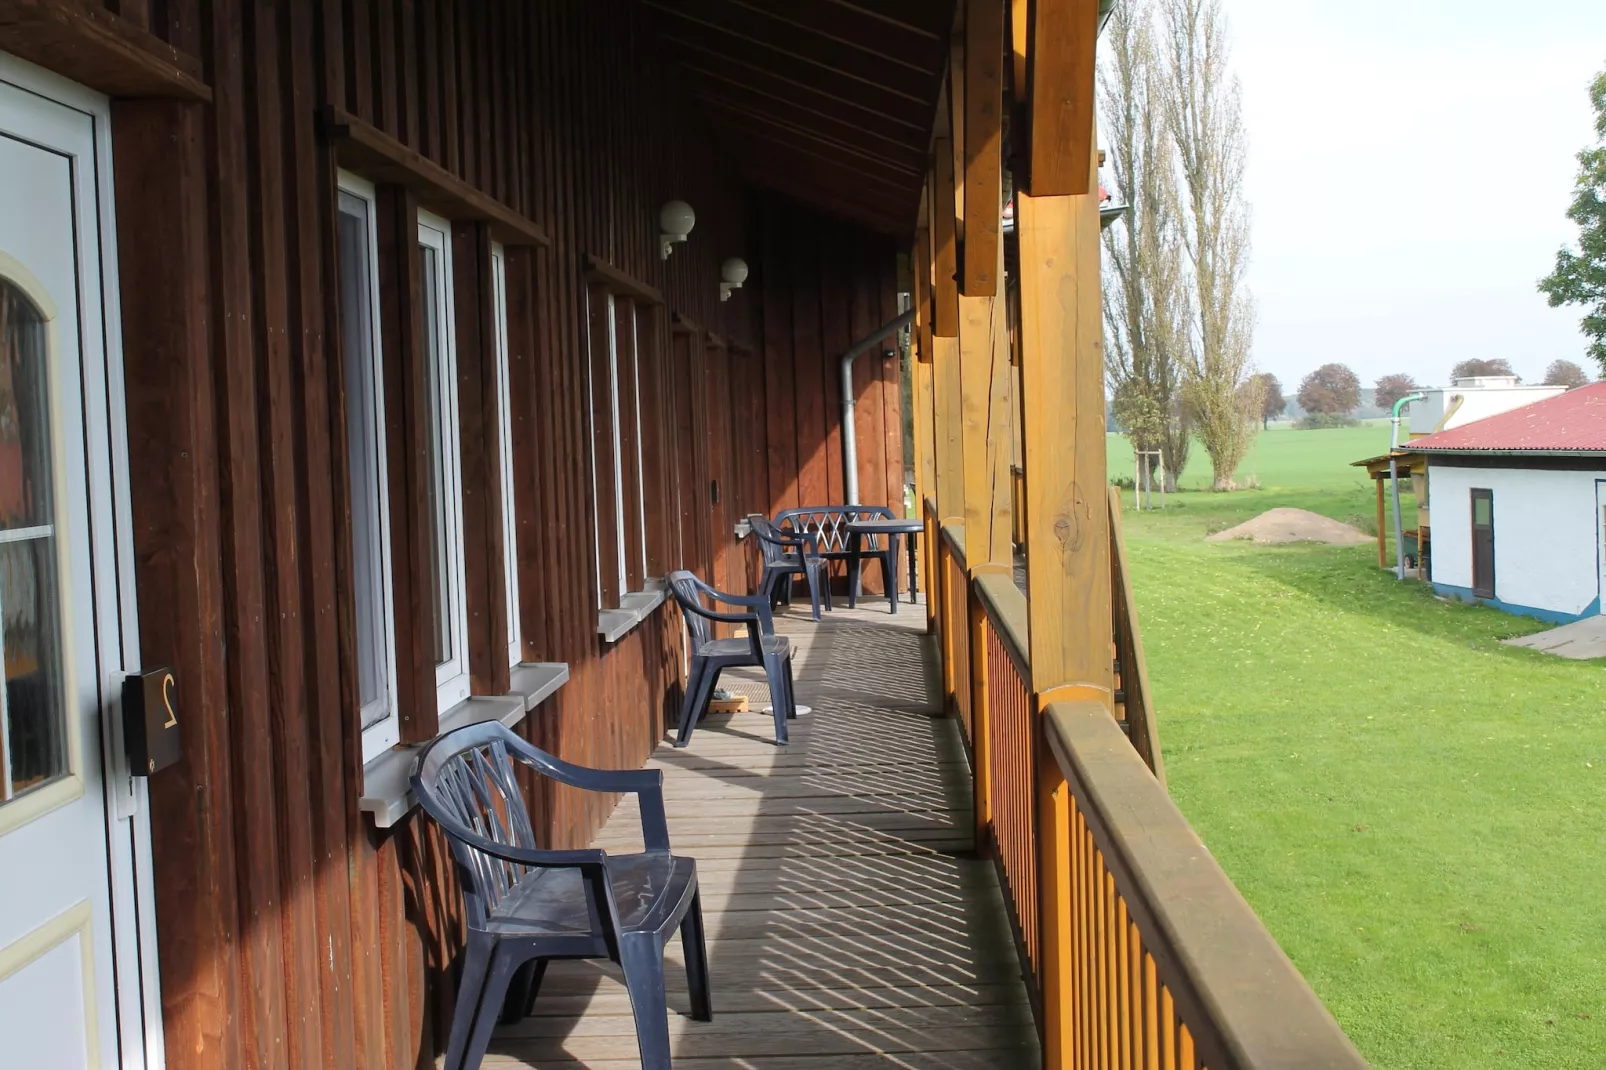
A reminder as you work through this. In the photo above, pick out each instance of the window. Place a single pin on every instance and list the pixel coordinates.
(620, 428)
(365, 450)
(504, 394)
(628, 397)
(445, 473)
(33, 715)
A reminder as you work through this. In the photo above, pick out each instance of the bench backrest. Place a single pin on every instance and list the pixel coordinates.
(830, 522)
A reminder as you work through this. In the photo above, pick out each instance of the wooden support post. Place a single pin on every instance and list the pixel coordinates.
(1062, 385)
(983, 104)
(1059, 97)
(946, 381)
(985, 399)
(945, 262)
(1382, 528)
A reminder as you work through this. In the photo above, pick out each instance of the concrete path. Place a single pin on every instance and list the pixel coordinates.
(1581, 640)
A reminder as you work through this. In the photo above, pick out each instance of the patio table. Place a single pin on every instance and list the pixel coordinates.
(893, 529)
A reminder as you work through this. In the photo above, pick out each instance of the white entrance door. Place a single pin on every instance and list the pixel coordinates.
(69, 903)
(1600, 540)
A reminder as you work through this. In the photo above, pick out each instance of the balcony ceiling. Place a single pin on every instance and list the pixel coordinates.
(829, 101)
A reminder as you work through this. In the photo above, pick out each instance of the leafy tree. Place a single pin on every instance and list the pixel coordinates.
(1332, 389)
(1272, 402)
(1580, 277)
(1474, 367)
(1391, 388)
(1565, 373)
(1142, 418)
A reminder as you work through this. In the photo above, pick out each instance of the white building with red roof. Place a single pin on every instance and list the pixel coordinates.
(1519, 507)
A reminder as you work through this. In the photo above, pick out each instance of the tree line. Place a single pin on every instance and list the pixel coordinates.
(1178, 318)
(1331, 394)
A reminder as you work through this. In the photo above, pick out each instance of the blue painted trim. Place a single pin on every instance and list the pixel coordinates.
(1552, 616)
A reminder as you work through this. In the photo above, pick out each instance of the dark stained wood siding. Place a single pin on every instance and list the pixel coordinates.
(292, 933)
(821, 285)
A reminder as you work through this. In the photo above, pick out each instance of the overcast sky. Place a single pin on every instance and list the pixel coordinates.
(1409, 167)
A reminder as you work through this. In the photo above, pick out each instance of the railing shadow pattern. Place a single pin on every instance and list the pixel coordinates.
(850, 924)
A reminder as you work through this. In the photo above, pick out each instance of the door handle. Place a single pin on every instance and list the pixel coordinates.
(713, 491)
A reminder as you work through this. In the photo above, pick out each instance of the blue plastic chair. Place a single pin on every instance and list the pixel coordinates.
(785, 555)
(761, 647)
(526, 906)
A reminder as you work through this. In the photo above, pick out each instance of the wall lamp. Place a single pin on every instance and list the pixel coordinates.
(732, 274)
(676, 218)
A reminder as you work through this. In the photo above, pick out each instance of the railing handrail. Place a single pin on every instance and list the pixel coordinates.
(1134, 677)
(1244, 1001)
(1008, 613)
(954, 536)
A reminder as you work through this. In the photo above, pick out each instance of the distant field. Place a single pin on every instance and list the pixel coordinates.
(1412, 808)
(1281, 457)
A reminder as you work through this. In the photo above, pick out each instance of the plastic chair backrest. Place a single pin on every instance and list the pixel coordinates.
(769, 542)
(683, 585)
(474, 784)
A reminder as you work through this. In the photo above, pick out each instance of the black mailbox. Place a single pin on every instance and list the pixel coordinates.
(150, 720)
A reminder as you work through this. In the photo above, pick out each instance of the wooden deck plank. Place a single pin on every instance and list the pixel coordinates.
(849, 925)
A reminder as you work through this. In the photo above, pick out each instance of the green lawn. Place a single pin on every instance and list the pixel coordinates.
(1413, 809)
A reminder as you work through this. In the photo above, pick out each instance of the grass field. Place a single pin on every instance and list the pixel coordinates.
(1414, 809)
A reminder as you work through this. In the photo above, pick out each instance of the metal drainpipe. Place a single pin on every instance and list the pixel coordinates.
(850, 440)
(1394, 481)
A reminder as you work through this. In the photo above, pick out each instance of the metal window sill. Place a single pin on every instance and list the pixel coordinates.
(536, 681)
(614, 624)
(387, 793)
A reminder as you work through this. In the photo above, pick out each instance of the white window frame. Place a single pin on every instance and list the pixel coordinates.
(636, 310)
(618, 447)
(618, 408)
(451, 675)
(384, 733)
(504, 397)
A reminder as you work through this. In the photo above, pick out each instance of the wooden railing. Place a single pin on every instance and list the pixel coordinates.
(955, 617)
(1139, 951)
(1133, 704)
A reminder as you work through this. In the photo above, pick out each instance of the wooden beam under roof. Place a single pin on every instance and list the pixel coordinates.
(983, 134)
(876, 164)
(1061, 37)
(922, 16)
(862, 95)
(763, 85)
(778, 158)
(889, 40)
(734, 99)
(786, 184)
(740, 29)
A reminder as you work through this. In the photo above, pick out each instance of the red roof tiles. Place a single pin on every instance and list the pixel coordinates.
(1574, 422)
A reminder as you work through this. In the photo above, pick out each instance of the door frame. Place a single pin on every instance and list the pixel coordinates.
(1485, 494)
(126, 813)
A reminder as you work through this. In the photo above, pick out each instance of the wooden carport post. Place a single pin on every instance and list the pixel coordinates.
(1382, 525)
(1062, 406)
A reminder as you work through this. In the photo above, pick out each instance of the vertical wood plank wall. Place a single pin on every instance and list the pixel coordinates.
(291, 933)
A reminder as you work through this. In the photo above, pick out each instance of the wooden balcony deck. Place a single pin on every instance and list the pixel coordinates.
(848, 925)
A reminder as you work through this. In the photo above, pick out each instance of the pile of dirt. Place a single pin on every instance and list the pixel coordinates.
(1293, 525)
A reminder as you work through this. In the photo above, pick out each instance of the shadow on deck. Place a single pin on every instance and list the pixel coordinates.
(848, 924)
